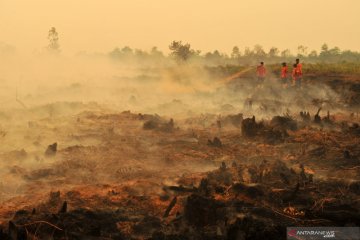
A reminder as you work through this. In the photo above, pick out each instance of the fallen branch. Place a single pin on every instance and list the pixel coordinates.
(170, 207)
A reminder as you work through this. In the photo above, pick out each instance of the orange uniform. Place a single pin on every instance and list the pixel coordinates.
(295, 73)
(261, 71)
(299, 69)
(284, 72)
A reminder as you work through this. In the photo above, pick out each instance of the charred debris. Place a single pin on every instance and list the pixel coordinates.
(239, 199)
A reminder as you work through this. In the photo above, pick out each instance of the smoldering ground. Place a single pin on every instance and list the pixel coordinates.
(44, 98)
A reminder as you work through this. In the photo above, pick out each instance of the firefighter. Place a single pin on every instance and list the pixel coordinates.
(261, 73)
(295, 76)
(299, 72)
(284, 74)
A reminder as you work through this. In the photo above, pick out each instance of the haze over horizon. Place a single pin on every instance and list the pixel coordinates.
(98, 26)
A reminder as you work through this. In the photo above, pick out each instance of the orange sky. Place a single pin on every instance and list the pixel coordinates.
(95, 25)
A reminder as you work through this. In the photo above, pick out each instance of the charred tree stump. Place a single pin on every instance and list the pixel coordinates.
(51, 150)
(317, 118)
(63, 208)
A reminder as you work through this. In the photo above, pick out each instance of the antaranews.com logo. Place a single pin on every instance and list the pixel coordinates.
(334, 233)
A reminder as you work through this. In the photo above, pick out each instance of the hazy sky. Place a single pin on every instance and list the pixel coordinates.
(101, 25)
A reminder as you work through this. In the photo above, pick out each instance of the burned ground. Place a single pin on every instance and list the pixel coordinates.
(99, 173)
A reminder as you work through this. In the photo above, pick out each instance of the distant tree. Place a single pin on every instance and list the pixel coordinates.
(53, 38)
(216, 54)
(116, 53)
(324, 48)
(285, 53)
(273, 52)
(235, 54)
(127, 53)
(313, 54)
(350, 56)
(127, 50)
(302, 51)
(182, 52)
(248, 52)
(208, 55)
(335, 51)
(324, 51)
(215, 57)
(124, 53)
(259, 51)
(155, 52)
(141, 54)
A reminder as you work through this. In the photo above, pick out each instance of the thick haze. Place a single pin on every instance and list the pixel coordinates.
(99, 26)
(47, 97)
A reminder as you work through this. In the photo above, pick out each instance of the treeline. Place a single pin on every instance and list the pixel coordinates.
(183, 53)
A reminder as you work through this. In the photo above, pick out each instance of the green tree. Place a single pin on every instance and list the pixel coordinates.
(182, 52)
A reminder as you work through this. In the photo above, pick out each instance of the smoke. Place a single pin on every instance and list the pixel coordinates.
(51, 98)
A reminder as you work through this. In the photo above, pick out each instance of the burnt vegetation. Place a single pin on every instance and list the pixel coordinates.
(270, 177)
